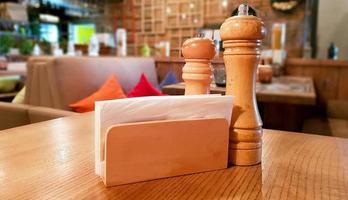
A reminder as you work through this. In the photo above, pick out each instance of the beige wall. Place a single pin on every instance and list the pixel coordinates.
(333, 27)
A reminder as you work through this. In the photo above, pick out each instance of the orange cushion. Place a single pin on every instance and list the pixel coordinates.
(111, 89)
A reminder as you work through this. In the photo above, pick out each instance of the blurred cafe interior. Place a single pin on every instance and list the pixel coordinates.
(131, 99)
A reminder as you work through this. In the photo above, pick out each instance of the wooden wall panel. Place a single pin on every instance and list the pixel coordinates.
(328, 82)
(153, 20)
(216, 11)
(330, 77)
(343, 84)
(325, 81)
(164, 67)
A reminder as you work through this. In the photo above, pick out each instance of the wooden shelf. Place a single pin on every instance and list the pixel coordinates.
(168, 20)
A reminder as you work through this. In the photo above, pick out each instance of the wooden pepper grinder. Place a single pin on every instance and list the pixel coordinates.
(242, 36)
(197, 72)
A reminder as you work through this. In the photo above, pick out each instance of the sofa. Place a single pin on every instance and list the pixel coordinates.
(60, 81)
(14, 115)
(55, 82)
(35, 80)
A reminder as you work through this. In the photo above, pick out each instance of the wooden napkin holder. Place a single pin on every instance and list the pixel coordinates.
(142, 151)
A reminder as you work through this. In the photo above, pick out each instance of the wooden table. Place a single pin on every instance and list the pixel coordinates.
(286, 94)
(285, 89)
(55, 160)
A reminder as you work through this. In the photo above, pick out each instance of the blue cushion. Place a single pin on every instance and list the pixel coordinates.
(168, 80)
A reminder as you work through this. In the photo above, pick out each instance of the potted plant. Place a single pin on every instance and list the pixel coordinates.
(6, 42)
(26, 47)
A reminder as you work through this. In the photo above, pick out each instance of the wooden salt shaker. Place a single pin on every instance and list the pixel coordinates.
(242, 36)
(265, 73)
(197, 72)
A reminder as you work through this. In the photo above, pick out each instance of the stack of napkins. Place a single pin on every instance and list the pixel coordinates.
(113, 112)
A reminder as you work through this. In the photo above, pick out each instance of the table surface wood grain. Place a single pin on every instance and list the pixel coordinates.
(285, 89)
(55, 160)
